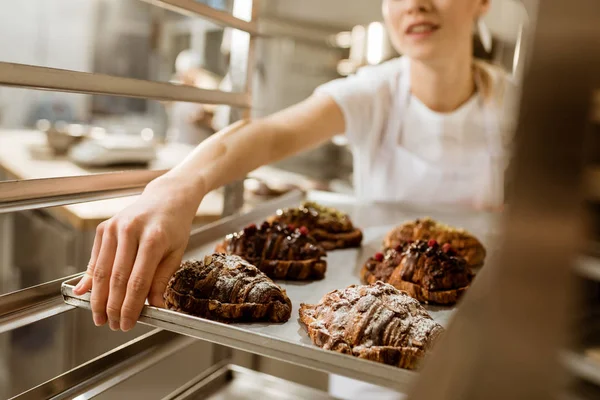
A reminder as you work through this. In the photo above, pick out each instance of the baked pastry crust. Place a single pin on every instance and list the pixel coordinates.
(428, 272)
(279, 251)
(376, 322)
(465, 244)
(330, 227)
(226, 288)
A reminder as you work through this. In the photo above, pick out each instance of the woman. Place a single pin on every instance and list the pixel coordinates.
(424, 127)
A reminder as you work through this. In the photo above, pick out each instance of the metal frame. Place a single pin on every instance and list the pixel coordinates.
(49, 192)
(43, 78)
(109, 369)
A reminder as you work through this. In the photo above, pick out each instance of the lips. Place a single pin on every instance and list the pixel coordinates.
(421, 28)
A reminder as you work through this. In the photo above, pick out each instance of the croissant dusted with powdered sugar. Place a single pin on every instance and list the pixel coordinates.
(375, 322)
(465, 244)
(281, 252)
(425, 270)
(330, 227)
(226, 288)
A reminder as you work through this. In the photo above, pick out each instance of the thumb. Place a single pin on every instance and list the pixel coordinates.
(164, 271)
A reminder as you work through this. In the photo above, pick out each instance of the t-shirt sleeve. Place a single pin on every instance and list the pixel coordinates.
(364, 99)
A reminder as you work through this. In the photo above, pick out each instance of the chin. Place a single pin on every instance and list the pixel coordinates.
(422, 53)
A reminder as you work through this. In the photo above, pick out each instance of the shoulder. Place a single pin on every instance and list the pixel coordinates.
(368, 80)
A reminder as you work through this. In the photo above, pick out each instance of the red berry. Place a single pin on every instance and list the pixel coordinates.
(447, 247)
(303, 230)
(378, 257)
(432, 243)
(291, 227)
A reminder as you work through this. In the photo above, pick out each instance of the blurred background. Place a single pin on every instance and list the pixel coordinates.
(306, 43)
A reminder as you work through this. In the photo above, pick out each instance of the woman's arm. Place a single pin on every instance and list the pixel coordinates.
(136, 251)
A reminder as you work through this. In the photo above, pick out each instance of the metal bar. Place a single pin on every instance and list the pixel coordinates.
(29, 305)
(110, 369)
(42, 78)
(241, 70)
(49, 192)
(195, 8)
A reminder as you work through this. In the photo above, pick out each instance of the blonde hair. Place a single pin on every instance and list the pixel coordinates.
(491, 80)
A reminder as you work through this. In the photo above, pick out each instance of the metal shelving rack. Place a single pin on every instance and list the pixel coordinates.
(504, 340)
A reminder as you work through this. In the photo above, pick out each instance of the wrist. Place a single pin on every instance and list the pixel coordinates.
(183, 193)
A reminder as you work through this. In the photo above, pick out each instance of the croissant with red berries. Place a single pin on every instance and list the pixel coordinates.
(425, 270)
(281, 252)
(330, 227)
(463, 242)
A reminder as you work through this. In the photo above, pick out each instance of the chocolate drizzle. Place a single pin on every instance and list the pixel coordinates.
(278, 250)
(331, 228)
(429, 273)
(226, 288)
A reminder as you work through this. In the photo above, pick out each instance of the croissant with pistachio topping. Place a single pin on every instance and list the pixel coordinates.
(331, 228)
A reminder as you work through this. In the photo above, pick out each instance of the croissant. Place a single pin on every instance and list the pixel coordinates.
(463, 242)
(279, 251)
(376, 322)
(330, 227)
(425, 270)
(226, 288)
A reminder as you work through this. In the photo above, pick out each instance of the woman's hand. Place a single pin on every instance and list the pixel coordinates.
(136, 252)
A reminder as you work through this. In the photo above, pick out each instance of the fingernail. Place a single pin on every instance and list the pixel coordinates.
(114, 325)
(79, 285)
(99, 320)
(127, 324)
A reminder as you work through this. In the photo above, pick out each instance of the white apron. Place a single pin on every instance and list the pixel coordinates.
(477, 181)
(404, 177)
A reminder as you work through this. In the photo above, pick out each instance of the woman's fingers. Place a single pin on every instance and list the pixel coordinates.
(101, 276)
(125, 257)
(85, 284)
(150, 253)
(161, 278)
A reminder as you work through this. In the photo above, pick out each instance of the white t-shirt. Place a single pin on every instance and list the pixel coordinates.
(439, 139)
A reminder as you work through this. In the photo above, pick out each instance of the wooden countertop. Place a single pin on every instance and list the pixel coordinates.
(25, 155)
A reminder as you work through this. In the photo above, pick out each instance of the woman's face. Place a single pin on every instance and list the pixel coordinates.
(430, 30)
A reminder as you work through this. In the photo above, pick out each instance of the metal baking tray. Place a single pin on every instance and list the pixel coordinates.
(289, 341)
(231, 382)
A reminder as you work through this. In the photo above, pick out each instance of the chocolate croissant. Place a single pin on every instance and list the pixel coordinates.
(281, 252)
(465, 244)
(425, 270)
(226, 288)
(330, 227)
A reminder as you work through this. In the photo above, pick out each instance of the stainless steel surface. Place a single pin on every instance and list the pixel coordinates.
(49, 192)
(108, 370)
(506, 338)
(25, 306)
(194, 9)
(288, 342)
(231, 382)
(33, 77)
